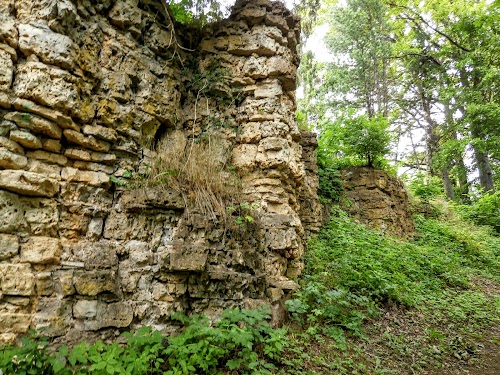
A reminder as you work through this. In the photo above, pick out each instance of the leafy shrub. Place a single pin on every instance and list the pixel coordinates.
(426, 187)
(242, 341)
(484, 211)
(357, 140)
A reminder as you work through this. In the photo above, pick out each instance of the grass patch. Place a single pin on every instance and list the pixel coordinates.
(197, 169)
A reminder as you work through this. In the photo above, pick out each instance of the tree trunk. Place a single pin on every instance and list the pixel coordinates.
(448, 186)
(484, 168)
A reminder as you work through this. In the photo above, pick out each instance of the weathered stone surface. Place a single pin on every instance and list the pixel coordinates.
(88, 177)
(378, 200)
(10, 160)
(48, 157)
(9, 246)
(119, 314)
(11, 145)
(52, 316)
(48, 46)
(49, 170)
(77, 154)
(188, 261)
(41, 250)
(6, 70)
(11, 213)
(8, 29)
(17, 279)
(101, 132)
(48, 86)
(14, 323)
(63, 121)
(86, 141)
(85, 309)
(28, 183)
(51, 145)
(25, 139)
(92, 283)
(35, 124)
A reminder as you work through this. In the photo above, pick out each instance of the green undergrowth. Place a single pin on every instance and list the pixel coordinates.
(354, 277)
(242, 342)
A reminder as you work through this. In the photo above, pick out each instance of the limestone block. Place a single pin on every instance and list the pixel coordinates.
(84, 309)
(247, 44)
(103, 158)
(277, 21)
(77, 154)
(95, 255)
(125, 13)
(50, 47)
(14, 323)
(87, 177)
(96, 167)
(11, 213)
(86, 141)
(10, 160)
(48, 86)
(252, 15)
(63, 282)
(244, 156)
(6, 126)
(95, 228)
(6, 70)
(8, 29)
(11, 145)
(28, 183)
(158, 39)
(119, 315)
(188, 261)
(113, 114)
(49, 170)
(101, 132)
(42, 215)
(26, 139)
(139, 253)
(251, 133)
(44, 283)
(118, 86)
(35, 123)
(268, 89)
(17, 279)
(9, 246)
(41, 250)
(92, 283)
(48, 157)
(53, 315)
(63, 121)
(51, 145)
(5, 101)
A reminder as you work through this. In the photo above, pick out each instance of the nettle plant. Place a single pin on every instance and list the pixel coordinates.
(242, 341)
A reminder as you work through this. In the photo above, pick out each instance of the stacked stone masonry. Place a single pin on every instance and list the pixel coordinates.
(85, 86)
(378, 200)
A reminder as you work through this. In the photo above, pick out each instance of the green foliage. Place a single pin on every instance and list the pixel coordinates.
(351, 270)
(484, 211)
(357, 139)
(196, 13)
(426, 187)
(242, 341)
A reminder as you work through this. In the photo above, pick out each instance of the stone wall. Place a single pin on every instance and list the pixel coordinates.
(85, 87)
(378, 200)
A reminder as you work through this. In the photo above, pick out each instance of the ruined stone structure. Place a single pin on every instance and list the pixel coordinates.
(85, 87)
(378, 200)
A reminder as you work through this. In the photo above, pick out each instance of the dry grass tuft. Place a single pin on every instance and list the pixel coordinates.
(198, 171)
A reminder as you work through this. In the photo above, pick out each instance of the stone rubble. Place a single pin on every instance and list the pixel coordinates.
(85, 88)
